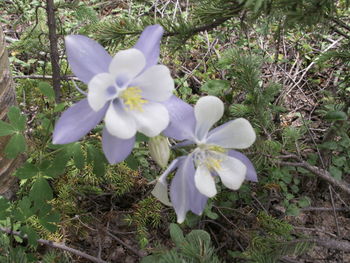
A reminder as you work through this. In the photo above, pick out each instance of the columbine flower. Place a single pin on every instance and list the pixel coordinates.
(194, 180)
(126, 90)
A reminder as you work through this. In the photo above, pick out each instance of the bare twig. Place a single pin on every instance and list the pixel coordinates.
(311, 65)
(140, 254)
(137, 253)
(341, 245)
(322, 173)
(44, 77)
(324, 209)
(340, 23)
(56, 245)
(330, 188)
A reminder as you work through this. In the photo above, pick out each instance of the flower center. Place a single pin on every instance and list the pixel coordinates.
(132, 98)
(212, 163)
(209, 155)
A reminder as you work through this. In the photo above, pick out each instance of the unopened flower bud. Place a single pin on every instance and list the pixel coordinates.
(159, 150)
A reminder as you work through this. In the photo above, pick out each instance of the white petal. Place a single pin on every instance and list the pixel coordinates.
(98, 90)
(236, 134)
(127, 63)
(208, 110)
(204, 181)
(232, 172)
(152, 120)
(120, 123)
(156, 83)
(160, 191)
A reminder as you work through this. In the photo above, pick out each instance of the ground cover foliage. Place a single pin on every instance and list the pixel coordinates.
(283, 65)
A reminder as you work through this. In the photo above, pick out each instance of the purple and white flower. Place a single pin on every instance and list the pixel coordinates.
(126, 91)
(212, 158)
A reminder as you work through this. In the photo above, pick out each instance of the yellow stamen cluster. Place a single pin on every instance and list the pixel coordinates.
(132, 98)
(216, 148)
(212, 163)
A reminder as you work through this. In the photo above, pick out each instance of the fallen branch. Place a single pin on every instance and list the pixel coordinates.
(56, 245)
(44, 77)
(324, 209)
(322, 173)
(327, 243)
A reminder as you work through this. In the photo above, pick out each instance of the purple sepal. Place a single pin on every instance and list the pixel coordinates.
(182, 120)
(76, 122)
(86, 57)
(115, 149)
(251, 173)
(149, 43)
(183, 192)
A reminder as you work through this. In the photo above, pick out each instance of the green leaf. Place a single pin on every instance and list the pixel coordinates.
(25, 206)
(141, 137)
(50, 227)
(47, 90)
(4, 205)
(58, 164)
(53, 217)
(339, 160)
(41, 191)
(59, 107)
(6, 129)
(45, 209)
(78, 156)
(31, 235)
(289, 196)
(17, 120)
(176, 234)
(132, 162)
(335, 172)
(215, 87)
(336, 116)
(209, 213)
(304, 202)
(198, 235)
(15, 146)
(48, 221)
(292, 210)
(27, 171)
(329, 145)
(97, 159)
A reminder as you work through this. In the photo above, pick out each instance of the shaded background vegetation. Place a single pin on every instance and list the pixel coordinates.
(284, 65)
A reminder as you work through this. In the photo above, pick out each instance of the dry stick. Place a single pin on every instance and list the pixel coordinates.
(137, 253)
(324, 209)
(340, 23)
(324, 174)
(327, 243)
(56, 245)
(44, 77)
(311, 64)
(56, 79)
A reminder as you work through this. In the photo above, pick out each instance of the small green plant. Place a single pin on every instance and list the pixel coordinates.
(195, 247)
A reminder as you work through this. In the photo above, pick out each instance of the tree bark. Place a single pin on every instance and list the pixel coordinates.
(56, 75)
(8, 183)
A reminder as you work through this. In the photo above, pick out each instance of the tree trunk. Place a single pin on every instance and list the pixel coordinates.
(8, 183)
